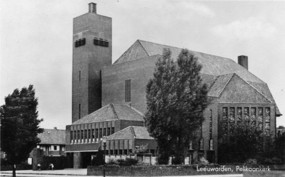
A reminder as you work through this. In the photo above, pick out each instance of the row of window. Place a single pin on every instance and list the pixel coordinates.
(97, 42)
(52, 148)
(125, 152)
(253, 116)
(90, 134)
(101, 42)
(125, 147)
(230, 113)
(80, 42)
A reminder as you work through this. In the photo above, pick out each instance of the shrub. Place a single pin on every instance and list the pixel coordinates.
(250, 162)
(58, 162)
(271, 161)
(203, 161)
(130, 161)
(112, 162)
(5, 166)
(99, 159)
(127, 162)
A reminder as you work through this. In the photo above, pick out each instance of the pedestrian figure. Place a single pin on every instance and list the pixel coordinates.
(39, 166)
(51, 166)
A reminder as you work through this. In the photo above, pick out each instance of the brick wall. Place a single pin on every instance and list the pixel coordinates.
(88, 60)
(113, 82)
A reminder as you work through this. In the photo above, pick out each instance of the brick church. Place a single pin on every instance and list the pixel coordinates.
(109, 99)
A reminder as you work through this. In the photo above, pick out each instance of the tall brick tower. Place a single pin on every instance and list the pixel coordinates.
(92, 50)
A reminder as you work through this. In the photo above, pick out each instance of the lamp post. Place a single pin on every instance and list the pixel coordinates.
(104, 146)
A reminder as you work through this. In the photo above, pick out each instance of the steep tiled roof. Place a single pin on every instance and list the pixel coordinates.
(131, 132)
(212, 65)
(216, 71)
(52, 136)
(112, 112)
(219, 85)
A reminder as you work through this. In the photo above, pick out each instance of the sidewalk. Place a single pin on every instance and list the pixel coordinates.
(82, 173)
(68, 171)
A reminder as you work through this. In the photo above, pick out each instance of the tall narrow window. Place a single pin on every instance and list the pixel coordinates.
(104, 132)
(201, 144)
(78, 136)
(260, 118)
(96, 133)
(239, 115)
(267, 121)
(127, 90)
(79, 111)
(211, 144)
(93, 133)
(71, 136)
(211, 124)
(85, 134)
(100, 133)
(190, 145)
(79, 75)
(253, 116)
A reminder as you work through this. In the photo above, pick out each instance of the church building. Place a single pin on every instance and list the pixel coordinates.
(110, 98)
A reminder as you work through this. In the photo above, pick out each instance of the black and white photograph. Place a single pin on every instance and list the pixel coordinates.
(142, 88)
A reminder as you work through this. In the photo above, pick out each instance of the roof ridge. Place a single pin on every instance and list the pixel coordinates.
(185, 48)
(88, 115)
(142, 58)
(137, 111)
(216, 78)
(133, 131)
(233, 74)
(226, 83)
(139, 41)
(159, 44)
(271, 101)
(53, 129)
(114, 111)
(124, 53)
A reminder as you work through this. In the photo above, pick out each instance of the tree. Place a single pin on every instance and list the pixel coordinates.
(20, 125)
(244, 142)
(280, 146)
(176, 99)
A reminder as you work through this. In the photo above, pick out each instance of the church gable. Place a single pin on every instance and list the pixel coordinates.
(136, 51)
(239, 91)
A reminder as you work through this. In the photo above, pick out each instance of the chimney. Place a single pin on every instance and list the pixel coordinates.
(243, 61)
(92, 7)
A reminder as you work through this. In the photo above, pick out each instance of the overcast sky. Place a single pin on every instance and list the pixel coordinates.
(36, 41)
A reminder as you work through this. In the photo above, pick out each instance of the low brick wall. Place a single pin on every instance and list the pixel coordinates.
(160, 170)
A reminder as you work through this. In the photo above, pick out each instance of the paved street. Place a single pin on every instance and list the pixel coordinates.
(78, 173)
(65, 172)
(36, 175)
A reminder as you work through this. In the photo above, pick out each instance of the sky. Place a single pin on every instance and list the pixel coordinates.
(36, 41)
